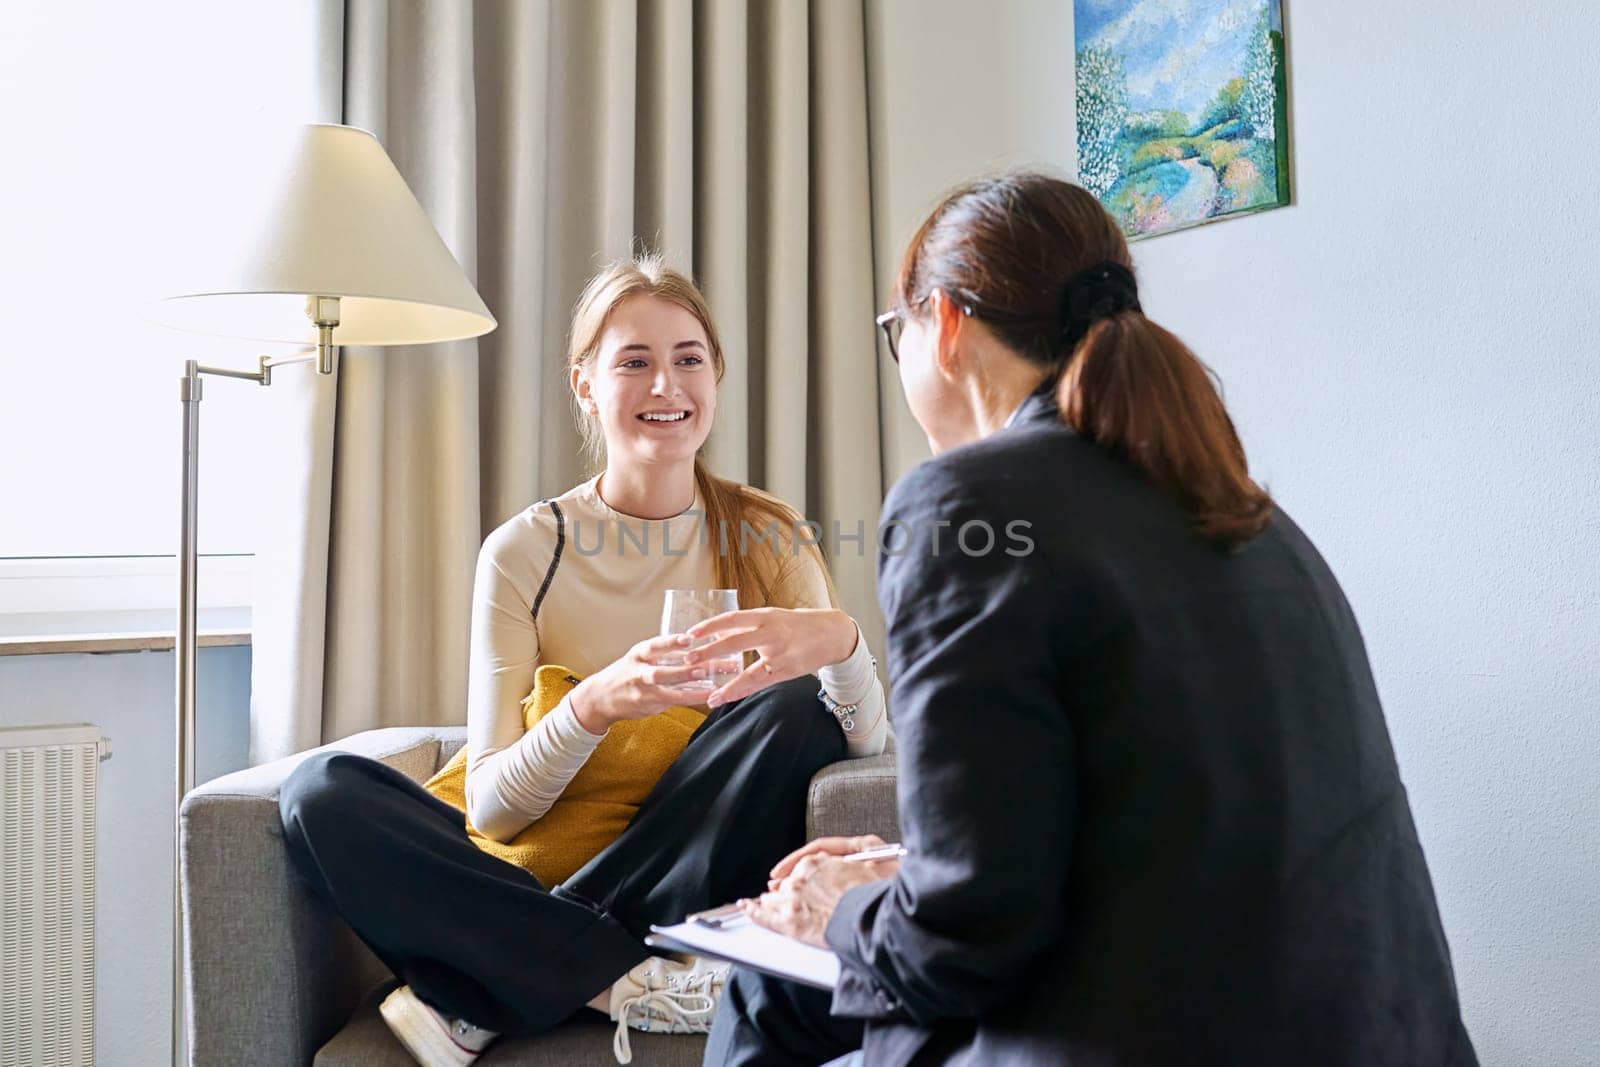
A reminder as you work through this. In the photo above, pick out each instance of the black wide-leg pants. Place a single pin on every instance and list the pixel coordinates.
(480, 938)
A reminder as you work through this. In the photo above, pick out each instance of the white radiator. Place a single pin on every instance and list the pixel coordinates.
(48, 791)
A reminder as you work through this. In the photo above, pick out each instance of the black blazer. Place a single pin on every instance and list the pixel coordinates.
(1152, 809)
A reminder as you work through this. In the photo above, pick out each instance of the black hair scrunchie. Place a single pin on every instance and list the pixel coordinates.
(1097, 293)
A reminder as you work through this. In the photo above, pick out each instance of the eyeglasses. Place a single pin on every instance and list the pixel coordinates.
(893, 324)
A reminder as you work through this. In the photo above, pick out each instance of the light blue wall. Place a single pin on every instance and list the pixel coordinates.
(1412, 354)
(129, 696)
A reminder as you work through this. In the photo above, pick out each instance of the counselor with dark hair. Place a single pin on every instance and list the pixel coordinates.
(1151, 810)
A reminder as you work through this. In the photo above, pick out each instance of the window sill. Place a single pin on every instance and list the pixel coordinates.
(53, 644)
(51, 633)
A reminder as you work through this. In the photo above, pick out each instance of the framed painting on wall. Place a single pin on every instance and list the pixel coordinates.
(1181, 109)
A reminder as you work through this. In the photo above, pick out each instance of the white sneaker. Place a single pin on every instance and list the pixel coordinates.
(663, 996)
(434, 1040)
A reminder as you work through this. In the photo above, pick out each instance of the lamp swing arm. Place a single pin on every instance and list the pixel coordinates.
(323, 311)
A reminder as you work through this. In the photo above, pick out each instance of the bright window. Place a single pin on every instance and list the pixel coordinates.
(108, 108)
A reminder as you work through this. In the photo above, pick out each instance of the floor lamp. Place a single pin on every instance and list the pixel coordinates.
(331, 248)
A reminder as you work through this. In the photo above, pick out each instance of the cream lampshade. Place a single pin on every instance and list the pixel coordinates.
(328, 217)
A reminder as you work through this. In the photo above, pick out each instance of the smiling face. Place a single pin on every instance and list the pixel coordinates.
(650, 383)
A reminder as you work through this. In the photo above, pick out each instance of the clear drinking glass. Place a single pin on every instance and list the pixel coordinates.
(684, 608)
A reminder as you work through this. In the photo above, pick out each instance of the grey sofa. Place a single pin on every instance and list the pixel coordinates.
(273, 977)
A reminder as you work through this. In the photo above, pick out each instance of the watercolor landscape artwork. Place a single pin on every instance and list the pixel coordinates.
(1181, 116)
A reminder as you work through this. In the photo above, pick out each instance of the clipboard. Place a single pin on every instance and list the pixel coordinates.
(722, 934)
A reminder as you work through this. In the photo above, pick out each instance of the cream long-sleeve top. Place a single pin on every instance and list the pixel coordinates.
(605, 597)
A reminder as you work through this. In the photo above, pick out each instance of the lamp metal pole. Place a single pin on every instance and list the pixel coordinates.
(324, 313)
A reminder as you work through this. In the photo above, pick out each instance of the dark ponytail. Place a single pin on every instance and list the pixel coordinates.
(1044, 266)
(1136, 390)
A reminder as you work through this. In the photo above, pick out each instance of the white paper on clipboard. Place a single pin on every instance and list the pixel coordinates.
(754, 946)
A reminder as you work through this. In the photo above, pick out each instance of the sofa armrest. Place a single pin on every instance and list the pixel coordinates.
(854, 797)
(270, 974)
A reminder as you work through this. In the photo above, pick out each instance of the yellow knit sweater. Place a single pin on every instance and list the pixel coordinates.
(602, 797)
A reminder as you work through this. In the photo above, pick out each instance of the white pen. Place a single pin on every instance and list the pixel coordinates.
(882, 852)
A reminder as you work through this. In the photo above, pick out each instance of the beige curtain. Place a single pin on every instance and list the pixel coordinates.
(544, 138)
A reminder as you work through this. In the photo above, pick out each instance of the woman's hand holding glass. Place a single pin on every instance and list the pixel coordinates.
(636, 686)
(790, 642)
(682, 610)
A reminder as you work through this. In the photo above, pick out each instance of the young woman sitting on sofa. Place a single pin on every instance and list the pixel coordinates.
(575, 585)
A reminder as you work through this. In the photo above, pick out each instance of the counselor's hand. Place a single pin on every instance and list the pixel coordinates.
(789, 641)
(635, 686)
(834, 846)
(806, 899)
